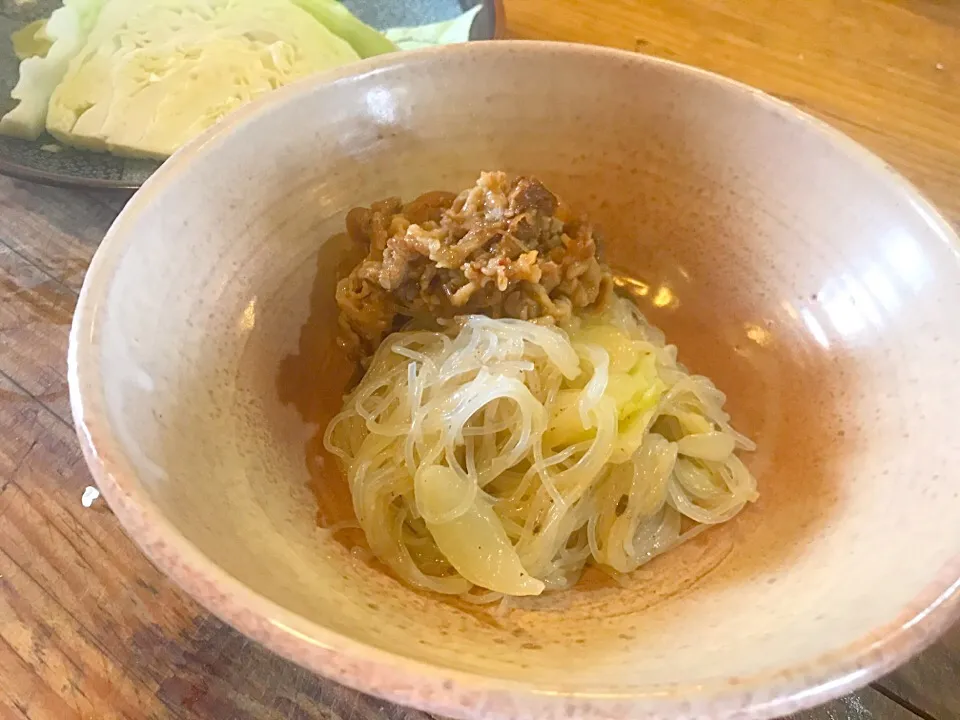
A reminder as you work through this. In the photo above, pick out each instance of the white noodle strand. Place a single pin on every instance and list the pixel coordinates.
(527, 451)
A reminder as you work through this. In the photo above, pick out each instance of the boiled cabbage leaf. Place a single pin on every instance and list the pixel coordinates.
(142, 77)
(155, 73)
(66, 30)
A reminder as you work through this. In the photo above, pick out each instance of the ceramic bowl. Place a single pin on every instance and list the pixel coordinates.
(809, 280)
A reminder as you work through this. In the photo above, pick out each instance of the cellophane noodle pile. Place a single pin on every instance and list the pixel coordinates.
(498, 457)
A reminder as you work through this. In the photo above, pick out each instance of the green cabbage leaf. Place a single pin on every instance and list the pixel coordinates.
(456, 30)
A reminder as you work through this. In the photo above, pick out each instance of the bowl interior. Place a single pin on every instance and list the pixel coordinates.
(787, 265)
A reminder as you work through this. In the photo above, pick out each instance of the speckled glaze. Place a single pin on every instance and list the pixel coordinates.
(814, 285)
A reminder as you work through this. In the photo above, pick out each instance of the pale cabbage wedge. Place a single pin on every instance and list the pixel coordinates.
(66, 31)
(155, 73)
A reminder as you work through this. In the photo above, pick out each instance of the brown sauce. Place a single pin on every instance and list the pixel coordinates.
(314, 379)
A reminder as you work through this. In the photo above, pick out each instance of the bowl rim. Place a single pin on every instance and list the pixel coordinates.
(402, 679)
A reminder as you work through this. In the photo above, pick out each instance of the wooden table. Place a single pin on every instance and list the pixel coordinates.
(89, 629)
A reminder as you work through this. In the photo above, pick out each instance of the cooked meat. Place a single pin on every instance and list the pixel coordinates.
(499, 248)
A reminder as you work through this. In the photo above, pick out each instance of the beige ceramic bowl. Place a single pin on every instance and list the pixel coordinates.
(809, 280)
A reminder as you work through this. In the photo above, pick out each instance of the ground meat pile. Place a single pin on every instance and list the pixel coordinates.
(500, 248)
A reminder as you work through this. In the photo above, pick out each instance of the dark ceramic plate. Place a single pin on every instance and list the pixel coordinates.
(48, 162)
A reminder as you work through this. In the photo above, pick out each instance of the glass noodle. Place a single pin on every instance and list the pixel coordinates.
(507, 455)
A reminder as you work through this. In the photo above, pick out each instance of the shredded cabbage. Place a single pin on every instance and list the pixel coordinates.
(505, 455)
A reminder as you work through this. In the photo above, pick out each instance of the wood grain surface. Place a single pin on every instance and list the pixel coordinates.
(89, 629)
